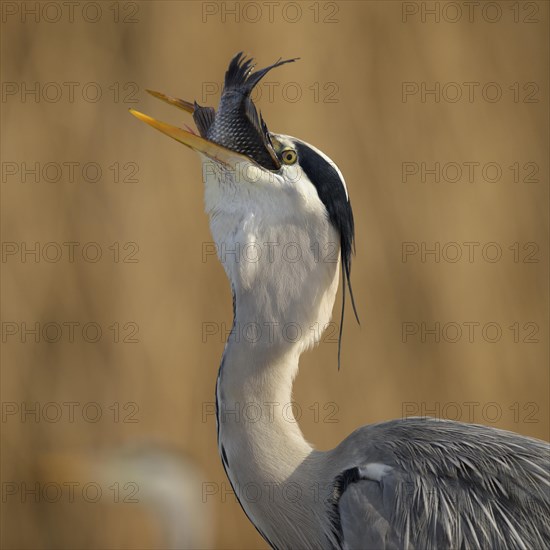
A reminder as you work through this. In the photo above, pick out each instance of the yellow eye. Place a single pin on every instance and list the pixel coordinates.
(289, 156)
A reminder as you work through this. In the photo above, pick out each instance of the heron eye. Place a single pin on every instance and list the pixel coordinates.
(289, 156)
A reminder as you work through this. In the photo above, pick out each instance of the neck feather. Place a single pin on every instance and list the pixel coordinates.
(281, 255)
(272, 468)
(255, 411)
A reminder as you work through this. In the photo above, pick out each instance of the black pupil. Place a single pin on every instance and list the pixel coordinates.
(289, 156)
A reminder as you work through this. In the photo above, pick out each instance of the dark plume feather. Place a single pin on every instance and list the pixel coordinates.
(331, 190)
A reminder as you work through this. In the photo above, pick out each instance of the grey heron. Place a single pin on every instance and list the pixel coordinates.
(415, 483)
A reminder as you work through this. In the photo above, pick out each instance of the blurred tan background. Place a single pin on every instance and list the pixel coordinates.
(133, 406)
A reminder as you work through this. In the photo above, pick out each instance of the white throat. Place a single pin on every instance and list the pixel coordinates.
(281, 255)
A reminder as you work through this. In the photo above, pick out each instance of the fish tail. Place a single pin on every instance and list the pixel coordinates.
(239, 75)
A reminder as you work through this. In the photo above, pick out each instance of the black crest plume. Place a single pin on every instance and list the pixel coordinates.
(326, 178)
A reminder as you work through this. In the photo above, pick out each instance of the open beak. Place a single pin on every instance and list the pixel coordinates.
(212, 150)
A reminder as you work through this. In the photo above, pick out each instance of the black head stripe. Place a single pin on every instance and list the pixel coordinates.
(330, 188)
(332, 193)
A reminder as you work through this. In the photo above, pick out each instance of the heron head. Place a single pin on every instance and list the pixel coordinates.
(236, 132)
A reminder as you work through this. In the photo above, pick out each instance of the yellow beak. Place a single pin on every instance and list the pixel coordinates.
(199, 144)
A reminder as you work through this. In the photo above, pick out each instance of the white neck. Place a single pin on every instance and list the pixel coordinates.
(269, 463)
(256, 422)
(281, 256)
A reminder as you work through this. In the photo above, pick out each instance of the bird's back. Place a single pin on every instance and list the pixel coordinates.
(424, 483)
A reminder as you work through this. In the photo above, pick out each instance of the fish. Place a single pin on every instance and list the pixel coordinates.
(236, 125)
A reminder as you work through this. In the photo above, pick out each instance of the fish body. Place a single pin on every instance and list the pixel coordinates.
(237, 124)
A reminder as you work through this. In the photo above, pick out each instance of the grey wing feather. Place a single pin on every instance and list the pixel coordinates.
(363, 525)
(446, 485)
